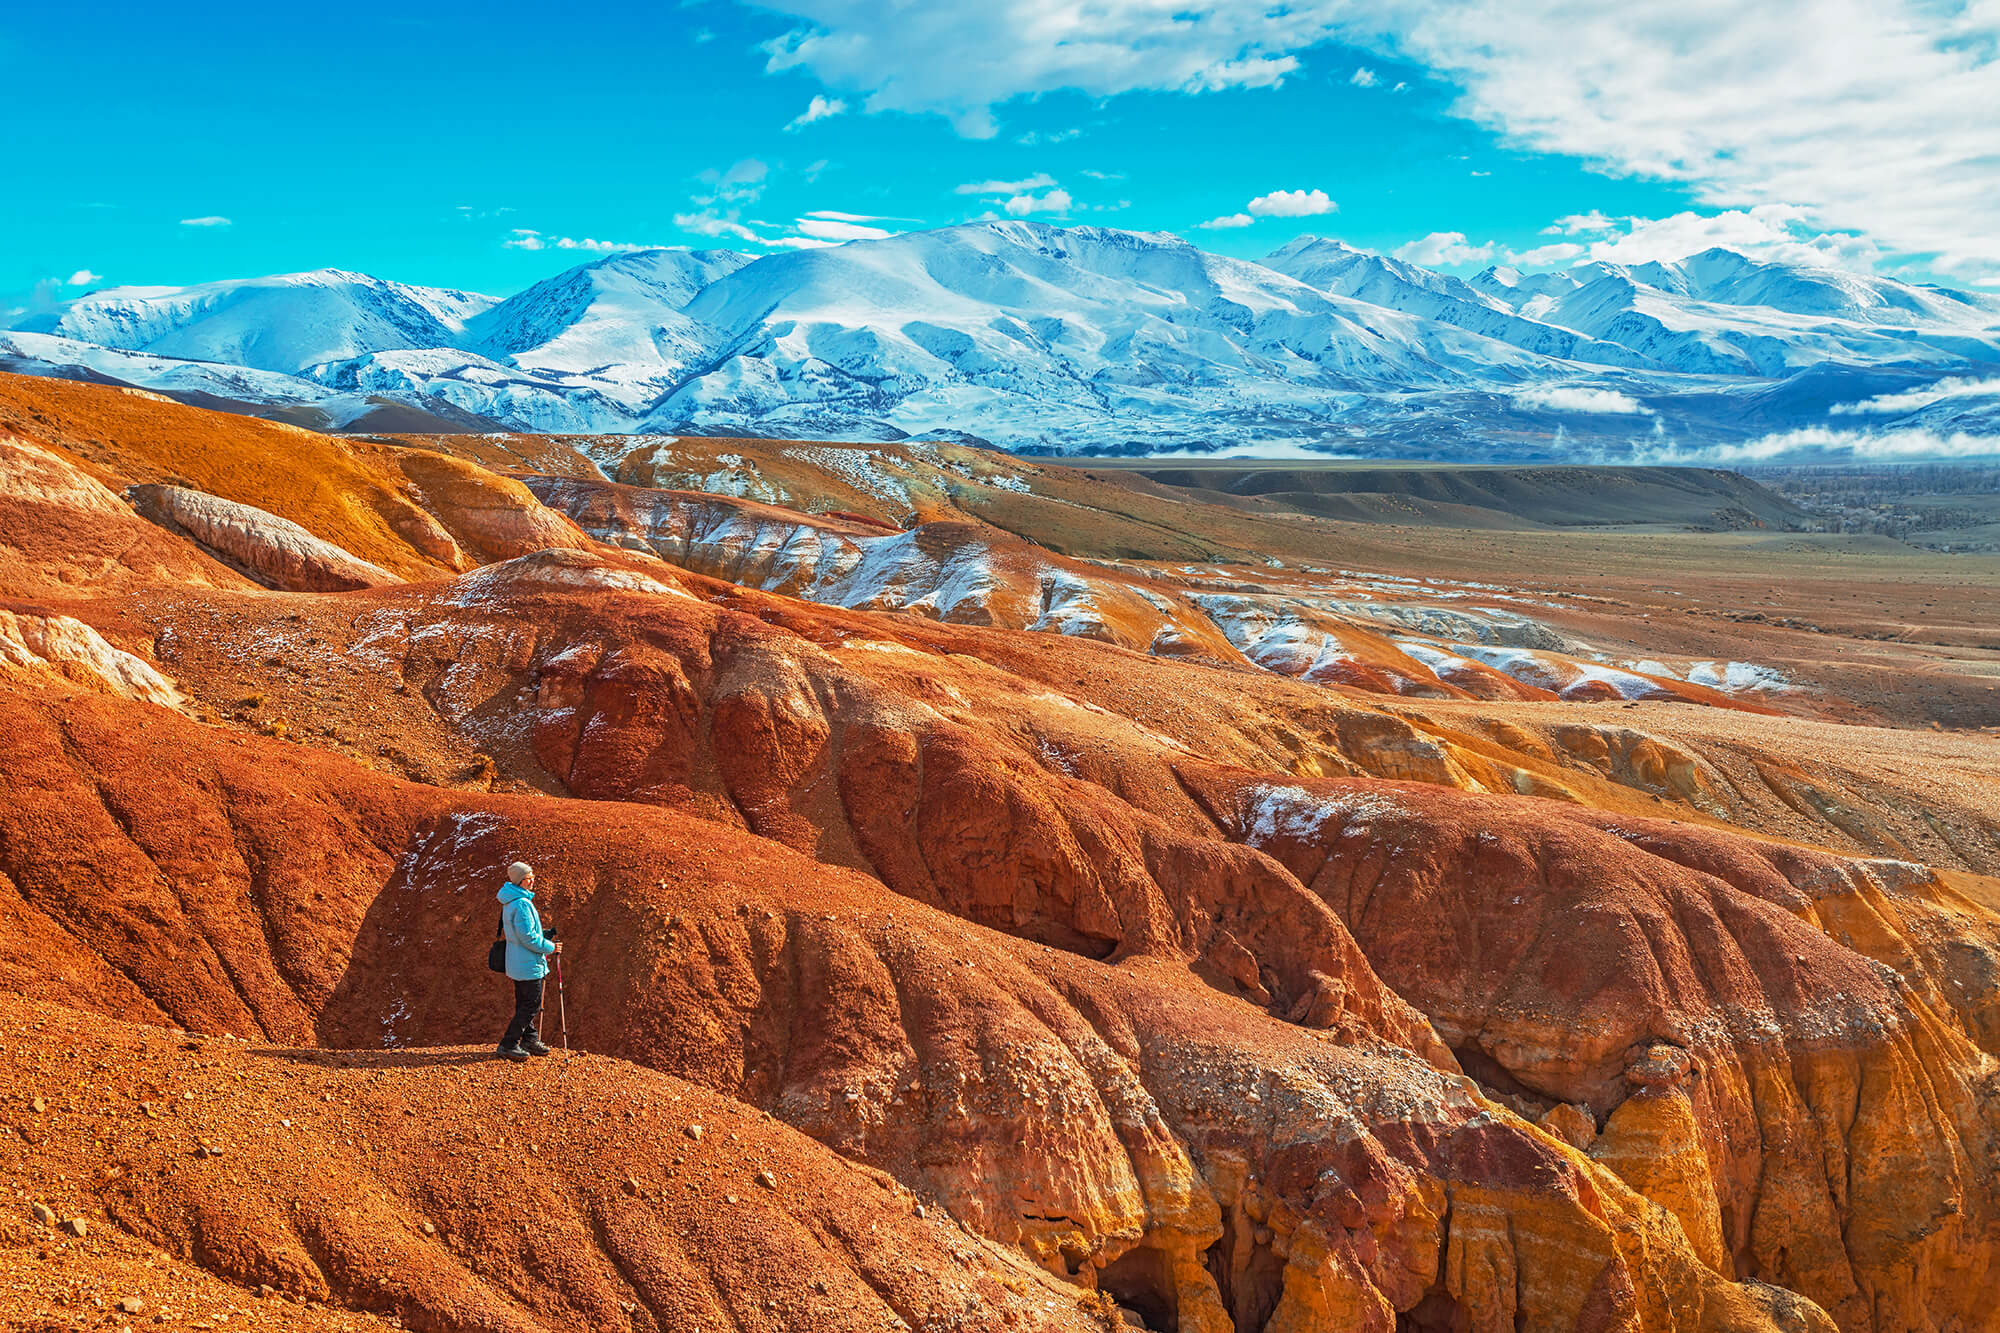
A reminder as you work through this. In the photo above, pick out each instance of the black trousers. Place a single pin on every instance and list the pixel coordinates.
(527, 1009)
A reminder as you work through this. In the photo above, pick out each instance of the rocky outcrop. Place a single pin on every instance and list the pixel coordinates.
(574, 1194)
(274, 551)
(484, 516)
(67, 648)
(62, 531)
(958, 572)
(1158, 993)
(1790, 1052)
(967, 573)
(1654, 1143)
(1202, 1164)
(703, 709)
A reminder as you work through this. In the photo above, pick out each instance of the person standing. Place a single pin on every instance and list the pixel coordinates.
(528, 954)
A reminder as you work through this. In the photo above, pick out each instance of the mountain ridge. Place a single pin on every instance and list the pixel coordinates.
(1057, 339)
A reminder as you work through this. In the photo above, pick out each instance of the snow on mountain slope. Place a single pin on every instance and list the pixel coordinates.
(46, 354)
(1381, 280)
(1039, 334)
(1079, 339)
(284, 323)
(1720, 313)
(622, 310)
(1723, 277)
(532, 400)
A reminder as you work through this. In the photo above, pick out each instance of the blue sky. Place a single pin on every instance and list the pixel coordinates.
(462, 146)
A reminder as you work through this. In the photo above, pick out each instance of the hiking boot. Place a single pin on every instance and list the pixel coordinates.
(511, 1052)
(534, 1045)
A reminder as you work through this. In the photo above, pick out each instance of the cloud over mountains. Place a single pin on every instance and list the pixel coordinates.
(1864, 118)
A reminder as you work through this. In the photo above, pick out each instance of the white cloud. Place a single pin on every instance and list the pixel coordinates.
(210, 221)
(1578, 224)
(1292, 204)
(829, 229)
(1864, 112)
(1558, 252)
(603, 247)
(1363, 78)
(1277, 204)
(798, 242)
(527, 238)
(912, 57)
(1776, 232)
(1891, 404)
(83, 277)
(1261, 71)
(833, 215)
(1779, 233)
(820, 108)
(1855, 110)
(1570, 398)
(741, 182)
(710, 223)
(1838, 445)
(1055, 201)
(1444, 247)
(1041, 180)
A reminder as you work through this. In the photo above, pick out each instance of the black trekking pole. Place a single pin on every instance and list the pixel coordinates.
(562, 1007)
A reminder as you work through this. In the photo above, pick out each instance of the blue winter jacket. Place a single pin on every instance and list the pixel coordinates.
(528, 949)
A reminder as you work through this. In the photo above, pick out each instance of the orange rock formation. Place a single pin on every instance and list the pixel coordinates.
(969, 951)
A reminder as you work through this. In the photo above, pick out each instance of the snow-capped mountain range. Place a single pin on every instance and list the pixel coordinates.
(1072, 340)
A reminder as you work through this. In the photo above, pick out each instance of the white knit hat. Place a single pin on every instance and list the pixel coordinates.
(518, 873)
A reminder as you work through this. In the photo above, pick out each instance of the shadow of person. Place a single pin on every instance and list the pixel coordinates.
(409, 1057)
(416, 983)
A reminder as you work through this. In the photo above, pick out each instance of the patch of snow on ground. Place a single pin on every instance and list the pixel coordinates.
(453, 836)
(584, 655)
(1628, 685)
(1276, 638)
(1297, 814)
(1055, 756)
(1737, 677)
(1069, 606)
(1559, 674)
(737, 477)
(397, 1012)
(487, 586)
(883, 646)
(891, 567)
(1480, 624)
(860, 468)
(1441, 663)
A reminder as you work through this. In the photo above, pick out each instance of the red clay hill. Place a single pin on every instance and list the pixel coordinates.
(960, 934)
